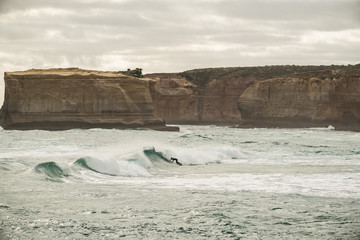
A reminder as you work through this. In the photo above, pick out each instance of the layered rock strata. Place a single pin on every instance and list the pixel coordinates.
(210, 96)
(318, 98)
(57, 99)
(199, 96)
(270, 96)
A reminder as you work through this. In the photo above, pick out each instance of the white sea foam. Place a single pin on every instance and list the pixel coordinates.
(203, 154)
(328, 128)
(130, 161)
(33, 151)
(285, 177)
(326, 185)
(115, 167)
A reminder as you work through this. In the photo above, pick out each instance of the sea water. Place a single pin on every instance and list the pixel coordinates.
(233, 184)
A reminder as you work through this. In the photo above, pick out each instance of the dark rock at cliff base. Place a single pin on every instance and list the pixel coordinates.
(59, 99)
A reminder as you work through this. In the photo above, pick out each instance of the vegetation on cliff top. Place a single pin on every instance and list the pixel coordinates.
(201, 77)
(137, 72)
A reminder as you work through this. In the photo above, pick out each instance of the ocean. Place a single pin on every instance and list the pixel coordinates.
(233, 184)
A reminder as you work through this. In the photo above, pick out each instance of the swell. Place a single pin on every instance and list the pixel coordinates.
(139, 163)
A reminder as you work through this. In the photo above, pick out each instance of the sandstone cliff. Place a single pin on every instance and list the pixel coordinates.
(74, 98)
(204, 96)
(321, 97)
(270, 96)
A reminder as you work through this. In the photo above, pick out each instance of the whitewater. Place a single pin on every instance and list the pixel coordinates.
(233, 184)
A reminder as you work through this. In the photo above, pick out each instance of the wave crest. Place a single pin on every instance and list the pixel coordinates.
(112, 167)
(51, 170)
(138, 163)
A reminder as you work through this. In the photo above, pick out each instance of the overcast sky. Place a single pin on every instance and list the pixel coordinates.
(176, 35)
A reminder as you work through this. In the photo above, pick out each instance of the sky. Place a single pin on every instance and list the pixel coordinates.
(176, 35)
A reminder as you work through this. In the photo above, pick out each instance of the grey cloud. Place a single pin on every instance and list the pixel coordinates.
(288, 10)
(172, 35)
(254, 38)
(294, 16)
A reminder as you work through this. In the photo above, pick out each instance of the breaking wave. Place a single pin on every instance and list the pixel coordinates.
(137, 163)
(51, 171)
(112, 167)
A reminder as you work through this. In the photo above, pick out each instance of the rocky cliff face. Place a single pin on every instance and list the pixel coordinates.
(270, 96)
(174, 98)
(317, 98)
(203, 96)
(74, 98)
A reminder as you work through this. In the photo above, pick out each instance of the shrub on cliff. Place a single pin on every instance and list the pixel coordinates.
(137, 72)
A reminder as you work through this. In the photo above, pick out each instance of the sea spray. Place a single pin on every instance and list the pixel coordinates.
(138, 163)
(203, 154)
(112, 167)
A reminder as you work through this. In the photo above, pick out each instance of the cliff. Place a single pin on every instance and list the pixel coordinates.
(57, 99)
(270, 96)
(210, 96)
(322, 97)
(202, 96)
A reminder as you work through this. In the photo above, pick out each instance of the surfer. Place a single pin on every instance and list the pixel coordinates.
(176, 160)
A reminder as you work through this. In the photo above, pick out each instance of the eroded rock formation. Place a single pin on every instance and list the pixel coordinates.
(204, 96)
(271, 96)
(74, 98)
(317, 98)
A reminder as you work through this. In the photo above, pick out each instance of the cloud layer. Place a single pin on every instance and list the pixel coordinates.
(172, 35)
